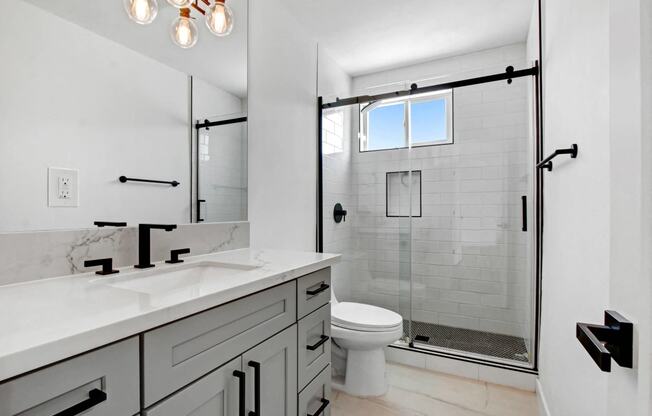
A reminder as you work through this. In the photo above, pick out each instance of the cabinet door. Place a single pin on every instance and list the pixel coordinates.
(271, 369)
(216, 394)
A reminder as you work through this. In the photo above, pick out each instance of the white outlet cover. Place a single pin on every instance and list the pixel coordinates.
(63, 187)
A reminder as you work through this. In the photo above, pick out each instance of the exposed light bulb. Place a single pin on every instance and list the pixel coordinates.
(184, 30)
(180, 3)
(219, 19)
(141, 11)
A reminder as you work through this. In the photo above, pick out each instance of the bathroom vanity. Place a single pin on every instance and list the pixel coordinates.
(232, 333)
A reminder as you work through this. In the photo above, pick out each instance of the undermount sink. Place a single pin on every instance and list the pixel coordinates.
(175, 284)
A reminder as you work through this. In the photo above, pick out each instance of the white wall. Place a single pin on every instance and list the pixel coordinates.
(630, 98)
(73, 99)
(575, 281)
(282, 129)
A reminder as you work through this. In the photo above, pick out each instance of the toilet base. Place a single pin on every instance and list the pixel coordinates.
(365, 373)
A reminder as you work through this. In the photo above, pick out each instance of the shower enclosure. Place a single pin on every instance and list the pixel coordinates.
(442, 200)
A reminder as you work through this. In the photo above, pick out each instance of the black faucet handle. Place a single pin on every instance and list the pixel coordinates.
(107, 266)
(174, 255)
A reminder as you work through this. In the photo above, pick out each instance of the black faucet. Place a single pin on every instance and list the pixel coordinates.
(144, 243)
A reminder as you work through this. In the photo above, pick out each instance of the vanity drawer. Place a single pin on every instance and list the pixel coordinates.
(179, 353)
(313, 291)
(314, 400)
(314, 344)
(107, 380)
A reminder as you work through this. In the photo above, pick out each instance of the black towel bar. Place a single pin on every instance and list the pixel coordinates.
(547, 162)
(124, 179)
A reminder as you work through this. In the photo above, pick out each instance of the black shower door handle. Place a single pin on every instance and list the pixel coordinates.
(524, 213)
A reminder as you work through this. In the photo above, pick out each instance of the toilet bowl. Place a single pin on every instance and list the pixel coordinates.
(363, 331)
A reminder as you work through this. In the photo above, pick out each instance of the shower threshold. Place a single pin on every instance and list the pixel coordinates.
(460, 340)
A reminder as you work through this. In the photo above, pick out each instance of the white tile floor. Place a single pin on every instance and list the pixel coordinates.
(417, 392)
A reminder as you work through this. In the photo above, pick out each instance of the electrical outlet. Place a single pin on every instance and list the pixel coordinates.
(63, 187)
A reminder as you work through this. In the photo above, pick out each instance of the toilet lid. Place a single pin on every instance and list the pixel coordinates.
(361, 317)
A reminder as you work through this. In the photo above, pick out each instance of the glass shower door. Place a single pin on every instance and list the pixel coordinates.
(472, 277)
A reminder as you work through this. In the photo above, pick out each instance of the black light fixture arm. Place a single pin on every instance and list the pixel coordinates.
(547, 162)
(125, 179)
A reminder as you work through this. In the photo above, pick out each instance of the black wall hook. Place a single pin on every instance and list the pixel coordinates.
(614, 340)
(547, 162)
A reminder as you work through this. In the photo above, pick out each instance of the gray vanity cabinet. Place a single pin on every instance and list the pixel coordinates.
(315, 398)
(271, 369)
(216, 394)
(177, 354)
(314, 352)
(104, 382)
(266, 354)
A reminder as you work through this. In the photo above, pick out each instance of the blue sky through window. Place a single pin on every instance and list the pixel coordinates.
(386, 129)
(428, 121)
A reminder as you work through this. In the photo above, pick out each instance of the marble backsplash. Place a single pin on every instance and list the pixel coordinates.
(39, 255)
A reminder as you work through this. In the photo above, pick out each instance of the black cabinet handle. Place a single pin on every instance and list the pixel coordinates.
(614, 340)
(524, 212)
(317, 291)
(256, 367)
(95, 397)
(241, 391)
(324, 405)
(319, 343)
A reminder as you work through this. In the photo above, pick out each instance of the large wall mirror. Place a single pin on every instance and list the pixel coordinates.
(90, 94)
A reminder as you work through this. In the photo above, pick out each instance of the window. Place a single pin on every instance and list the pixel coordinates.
(418, 120)
(333, 132)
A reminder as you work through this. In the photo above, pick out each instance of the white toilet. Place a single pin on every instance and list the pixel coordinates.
(363, 331)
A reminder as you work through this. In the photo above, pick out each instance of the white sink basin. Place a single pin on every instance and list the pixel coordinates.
(175, 284)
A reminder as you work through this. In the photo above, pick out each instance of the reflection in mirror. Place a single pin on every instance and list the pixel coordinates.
(89, 96)
(220, 155)
(431, 99)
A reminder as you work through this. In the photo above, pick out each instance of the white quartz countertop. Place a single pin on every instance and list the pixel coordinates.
(45, 321)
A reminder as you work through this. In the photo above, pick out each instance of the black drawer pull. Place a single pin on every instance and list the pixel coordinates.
(241, 392)
(319, 343)
(324, 405)
(317, 291)
(95, 397)
(256, 367)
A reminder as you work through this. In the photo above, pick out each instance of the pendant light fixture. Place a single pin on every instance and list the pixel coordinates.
(219, 18)
(184, 30)
(142, 12)
(179, 4)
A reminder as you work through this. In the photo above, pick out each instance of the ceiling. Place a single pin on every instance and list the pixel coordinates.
(366, 36)
(220, 61)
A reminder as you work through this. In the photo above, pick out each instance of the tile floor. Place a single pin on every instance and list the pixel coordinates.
(416, 392)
